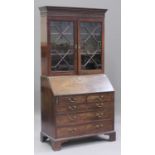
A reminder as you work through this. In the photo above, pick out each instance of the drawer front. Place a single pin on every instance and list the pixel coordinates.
(97, 127)
(84, 117)
(72, 99)
(104, 97)
(72, 108)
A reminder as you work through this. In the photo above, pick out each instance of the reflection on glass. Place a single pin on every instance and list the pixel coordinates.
(62, 41)
(90, 42)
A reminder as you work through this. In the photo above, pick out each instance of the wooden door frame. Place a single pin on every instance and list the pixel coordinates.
(64, 18)
(93, 71)
(77, 58)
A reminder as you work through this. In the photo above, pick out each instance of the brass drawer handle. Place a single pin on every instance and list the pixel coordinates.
(72, 107)
(73, 130)
(72, 117)
(102, 96)
(99, 114)
(71, 99)
(99, 126)
(100, 105)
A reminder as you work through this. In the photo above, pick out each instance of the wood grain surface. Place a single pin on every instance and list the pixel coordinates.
(80, 84)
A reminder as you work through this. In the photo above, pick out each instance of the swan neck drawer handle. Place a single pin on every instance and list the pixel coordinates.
(100, 115)
(72, 130)
(71, 99)
(72, 117)
(99, 126)
(72, 107)
(99, 105)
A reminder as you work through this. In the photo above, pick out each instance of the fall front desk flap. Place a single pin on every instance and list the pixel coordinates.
(79, 84)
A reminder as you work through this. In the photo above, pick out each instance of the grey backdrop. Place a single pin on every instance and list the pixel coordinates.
(112, 42)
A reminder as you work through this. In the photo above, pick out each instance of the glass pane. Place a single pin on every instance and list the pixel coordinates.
(62, 40)
(91, 45)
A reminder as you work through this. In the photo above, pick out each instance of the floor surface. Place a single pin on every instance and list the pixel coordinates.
(93, 146)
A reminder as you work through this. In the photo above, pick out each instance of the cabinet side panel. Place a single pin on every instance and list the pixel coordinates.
(113, 108)
(52, 116)
(44, 60)
(44, 45)
(47, 126)
(43, 29)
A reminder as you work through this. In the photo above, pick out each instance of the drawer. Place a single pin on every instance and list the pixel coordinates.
(90, 128)
(84, 117)
(72, 108)
(100, 97)
(72, 99)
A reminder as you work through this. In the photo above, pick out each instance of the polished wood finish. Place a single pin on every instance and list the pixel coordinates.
(65, 108)
(72, 12)
(97, 127)
(72, 99)
(73, 118)
(56, 146)
(44, 61)
(47, 109)
(80, 84)
(78, 102)
(79, 113)
(112, 136)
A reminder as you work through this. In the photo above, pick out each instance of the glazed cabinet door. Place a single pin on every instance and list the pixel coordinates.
(90, 46)
(76, 46)
(62, 42)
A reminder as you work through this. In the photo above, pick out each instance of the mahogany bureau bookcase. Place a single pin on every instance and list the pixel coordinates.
(77, 98)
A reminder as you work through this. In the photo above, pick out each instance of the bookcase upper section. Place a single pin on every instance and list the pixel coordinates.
(72, 40)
